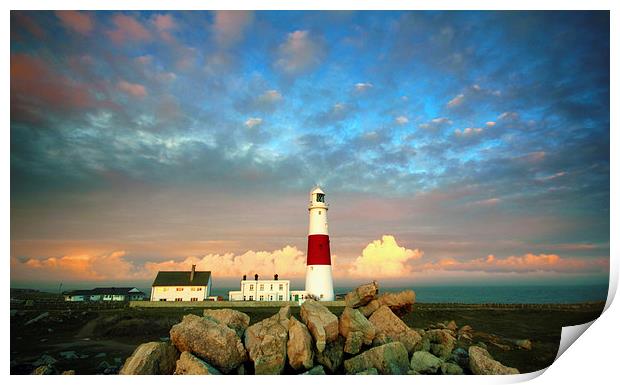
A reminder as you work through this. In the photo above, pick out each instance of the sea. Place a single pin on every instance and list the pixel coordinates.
(488, 294)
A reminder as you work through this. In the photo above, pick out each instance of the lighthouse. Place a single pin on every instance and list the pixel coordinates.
(318, 265)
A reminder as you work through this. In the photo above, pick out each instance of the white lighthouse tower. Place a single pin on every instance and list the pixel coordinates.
(319, 266)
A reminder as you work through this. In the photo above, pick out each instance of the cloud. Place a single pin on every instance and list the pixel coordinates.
(401, 120)
(127, 29)
(490, 124)
(300, 53)
(521, 264)
(456, 101)
(164, 24)
(384, 258)
(362, 87)
(468, 132)
(436, 124)
(229, 26)
(253, 122)
(133, 89)
(508, 115)
(77, 21)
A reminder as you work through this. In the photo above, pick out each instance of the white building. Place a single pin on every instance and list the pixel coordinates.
(105, 294)
(262, 290)
(182, 286)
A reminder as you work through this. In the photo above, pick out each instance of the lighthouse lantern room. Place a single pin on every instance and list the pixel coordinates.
(319, 281)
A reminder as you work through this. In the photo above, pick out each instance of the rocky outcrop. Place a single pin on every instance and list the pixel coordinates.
(390, 358)
(362, 295)
(370, 308)
(400, 303)
(266, 342)
(356, 329)
(209, 340)
(234, 319)
(441, 342)
(189, 364)
(151, 358)
(354, 342)
(331, 357)
(391, 328)
(323, 325)
(481, 362)
(425, 363)
(299, 346)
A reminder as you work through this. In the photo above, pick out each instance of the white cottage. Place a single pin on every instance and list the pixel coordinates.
(182, 286)
(265, 290)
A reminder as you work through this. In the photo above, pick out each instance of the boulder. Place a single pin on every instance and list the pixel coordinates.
(316, 370)
(352, 320)
(45, 359)
(354, 342)
(299, 346)
(150, 358)
(451, 326)
(189, 364)
(266, 342)
(68, 372)
(361, 295)
(450, 368)
(425, 363)
(234, 319)
(523, 344)
(481, 362)
(460, 356)
(323, 325)
(370, 308)
(331, 357)
(44, 370)
(400, 303)
(441, 342)
(391, 328)
(390, 358)
(211, 341)
(371, 371)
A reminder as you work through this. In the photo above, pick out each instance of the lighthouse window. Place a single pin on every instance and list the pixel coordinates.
(320, 197)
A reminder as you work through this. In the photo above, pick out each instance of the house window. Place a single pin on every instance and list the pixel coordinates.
(165, 289)
(199, 289)
(194, 299)
(251, 298)
(261, 298)
(244, 297)
(179, 289)
(281, 287)
(162, 299)
(271, 297)
(251, 287)
(178, 299)
(280, 297)
(271, 288)
(321, 295)
(262, 287)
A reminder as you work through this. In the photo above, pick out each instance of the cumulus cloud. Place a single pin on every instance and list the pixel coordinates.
(164, 24)
(133, 89)
(80, 22)
(228, 26)
(299, 53)
(127, 29)
(508, 115)
(436, 124)
(384, 258)
(401, 120)
(521, 264)
(490, 124)
(456, 101)
(362, 87)
(253, 122)
(468, 132)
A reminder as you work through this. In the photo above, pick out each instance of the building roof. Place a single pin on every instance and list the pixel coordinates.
(105, 291)
(181, 278)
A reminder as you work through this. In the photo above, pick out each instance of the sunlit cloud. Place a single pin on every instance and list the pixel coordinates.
(384, 258)
(127, 29)
(80, 22)
(300, 52)
(133, 89)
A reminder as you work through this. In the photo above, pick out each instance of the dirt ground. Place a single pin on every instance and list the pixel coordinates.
(98, 341)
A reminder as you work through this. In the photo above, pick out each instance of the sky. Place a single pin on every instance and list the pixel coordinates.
(454, 147)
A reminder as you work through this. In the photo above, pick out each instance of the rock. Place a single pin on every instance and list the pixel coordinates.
(460, 356)
(481, 362)
(400, 303)
(425, 363)
(100, 355)
(465, 329)
(149, 358)
(361, 295)
(189, 364)
(371, 371)
(45, 360)
(37, 318)
(391, 328)
(442, 342)
(354, 342)
(323, 325)
(370, 308)
(44, 370)
(68, 372)
(211, 341)
(266, 342)
(352, 320)
(299, 346)
(69, 355)
(523, 344)
(450, 368)
(331, 357)
(390, 358)
(316, 370)
(451, 326)
(234, 319)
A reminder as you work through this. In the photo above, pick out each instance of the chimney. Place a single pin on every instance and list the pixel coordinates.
(275, 277)
(191, 275)
(244, 277)
(256, 277)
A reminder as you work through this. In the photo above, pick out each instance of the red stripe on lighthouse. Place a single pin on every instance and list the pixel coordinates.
(318, 250)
